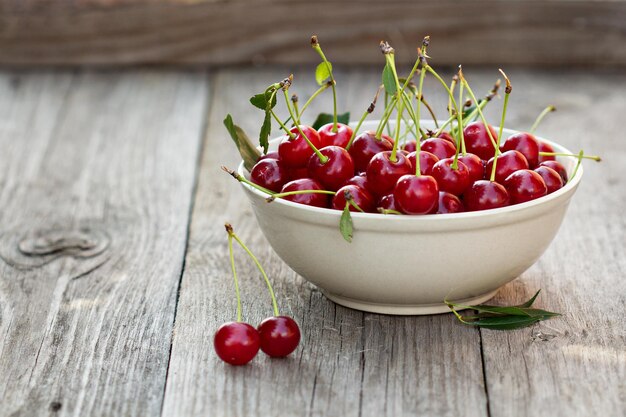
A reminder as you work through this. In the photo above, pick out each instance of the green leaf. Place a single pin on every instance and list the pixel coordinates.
(249, 153)
(325, 118)
(266, 129)
(259, 101)
(345, 224)
(505, 322)
(322, 72)
(389, 81)
(531, 301)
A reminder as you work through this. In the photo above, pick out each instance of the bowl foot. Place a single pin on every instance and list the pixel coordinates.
(405, 309)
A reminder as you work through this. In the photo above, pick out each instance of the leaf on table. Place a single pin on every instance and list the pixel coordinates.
(505, 322)
(322, 72)
(325, 118)
(345, 224)
(531, 301)
(249, 153)
(389, 81)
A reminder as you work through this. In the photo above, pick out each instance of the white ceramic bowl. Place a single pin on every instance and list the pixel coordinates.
(410, 264)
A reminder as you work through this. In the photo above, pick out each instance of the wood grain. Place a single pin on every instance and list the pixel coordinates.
(97, 171)
(349, 363)
(213, 32)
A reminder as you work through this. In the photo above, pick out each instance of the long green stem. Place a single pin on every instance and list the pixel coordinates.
(297, 192)
(460, 132)
(541, 116)
(258, 264)
(418, 142)
(323, 159)
(459, 116)
(507, 93)
(243, 179)
(282, 125)
(294, 100)
(482, 116)
(232, 265)
(315, 44)
(581, 155)
(592, 157)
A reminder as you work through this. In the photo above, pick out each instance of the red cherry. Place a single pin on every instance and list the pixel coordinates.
(382, 173)
(447, 136)
(365, 146)
(298, 173)
(525, 185)
(360, 196)
(475, 165)
(310, 199)
(525, 143)
(280, 336)
(454, 181)
(508, 163)
(416, 195)
(552, 178)
(410, 146)
(441, 148)
(449, 203)
(477, 140)
(269, 155)
(427, 161)
(388, 202)
(558, 167)
(295, 153)
(360, 181)
(545, 147)
(339, 138)
(333, 173)
(485, 195)
(236, 343)
(269, 173)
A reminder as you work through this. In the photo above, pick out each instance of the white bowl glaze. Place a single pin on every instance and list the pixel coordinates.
(410, 264)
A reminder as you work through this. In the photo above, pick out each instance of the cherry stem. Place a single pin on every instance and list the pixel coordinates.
(461, 134)
(288, 193)
(229, 229)
(243, 179)
(592, 157)
(282, 125)
(490, 95)
(232, 235)
(418, 142)
(369, 110)
(294, 100)
(539, 118)
(323, 159)
(580, 156)
(430, 110)
(350, 200)
(315, 44)
(480, 113)
(310, 100)
(507, 93)
(453, 83)
(388, 211)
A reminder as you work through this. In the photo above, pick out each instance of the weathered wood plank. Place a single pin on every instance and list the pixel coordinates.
(349, 363)
(574, 365)
(212, 32)
(103, 166)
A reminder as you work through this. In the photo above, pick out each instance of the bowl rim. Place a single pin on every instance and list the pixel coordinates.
(570, 186)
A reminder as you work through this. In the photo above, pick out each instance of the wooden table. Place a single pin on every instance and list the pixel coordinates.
(111, 181)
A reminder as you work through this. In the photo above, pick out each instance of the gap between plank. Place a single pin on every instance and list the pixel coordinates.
(482, 361)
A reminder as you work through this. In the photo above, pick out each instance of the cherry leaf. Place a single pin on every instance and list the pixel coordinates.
(325, 118)
(322, 72)
(345, 224)
(266, 129)
(259, 101)
(389, 81)
(249, 153)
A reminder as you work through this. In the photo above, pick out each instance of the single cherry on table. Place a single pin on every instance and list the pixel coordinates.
(236, 343)
(279, 336)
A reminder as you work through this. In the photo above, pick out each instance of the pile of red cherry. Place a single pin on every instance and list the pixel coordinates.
(237, 342)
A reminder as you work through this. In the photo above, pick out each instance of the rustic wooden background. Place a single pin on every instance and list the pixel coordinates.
(217, 32)
(119, 170)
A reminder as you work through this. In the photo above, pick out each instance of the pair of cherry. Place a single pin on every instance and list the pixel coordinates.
(237, 342)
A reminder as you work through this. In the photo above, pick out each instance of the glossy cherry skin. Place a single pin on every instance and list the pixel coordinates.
(310, 199)
(558, 167)
(270, 173)
(270, 155)
(339, 138)
(360, 181)
(552, 178)
(236, 343)
(475, 166)
(427, 161)
(441, 148)
(363, 198)
(545, 147)
(388, 202)
(447, 136)
(477, 140)
(525, 143)
(295, 153)
(365, 146)
(280, 335)
(410, 146)
(454, 181)
(449, 203)
(298, 173)
(525, 185)
(485, 195)
(333, 173)
(383, 173)
(508, 163)
(416, 195)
